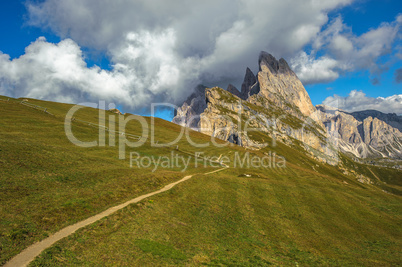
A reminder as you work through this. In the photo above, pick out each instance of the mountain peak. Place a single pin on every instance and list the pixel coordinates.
(278, 83)
(274, 65)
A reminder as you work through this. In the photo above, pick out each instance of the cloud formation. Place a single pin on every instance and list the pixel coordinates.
(58, 72)
(345, 51)
(159, 50)
(358, 101)
(398, 76)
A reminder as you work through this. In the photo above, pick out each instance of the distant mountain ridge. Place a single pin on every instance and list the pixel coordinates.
(390, 118)
(362, 135)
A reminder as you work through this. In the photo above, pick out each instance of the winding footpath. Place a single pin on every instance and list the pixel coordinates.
(31, 252)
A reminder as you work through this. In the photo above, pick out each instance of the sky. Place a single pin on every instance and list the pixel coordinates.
(347, 53)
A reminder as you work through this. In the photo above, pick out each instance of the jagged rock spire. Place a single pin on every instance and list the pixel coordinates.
(250, 80)
(233, 90)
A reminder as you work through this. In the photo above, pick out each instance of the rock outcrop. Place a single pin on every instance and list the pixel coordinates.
(115, 110)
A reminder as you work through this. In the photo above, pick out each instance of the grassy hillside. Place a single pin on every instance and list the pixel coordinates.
(47, 183)
(308, 212)
(276, 217)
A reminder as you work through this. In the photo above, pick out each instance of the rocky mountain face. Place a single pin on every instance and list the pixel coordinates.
(230, 118)
(362, 136)
(280, 84)
(274, 102)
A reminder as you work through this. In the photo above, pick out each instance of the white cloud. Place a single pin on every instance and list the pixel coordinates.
(159, 50)
(310, 70)
(345, 51)
(358, 101)
(58, 72)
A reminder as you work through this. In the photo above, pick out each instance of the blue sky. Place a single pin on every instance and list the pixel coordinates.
(174, 58)
(362, 16)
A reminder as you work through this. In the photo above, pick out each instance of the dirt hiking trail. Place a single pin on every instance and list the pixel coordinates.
(31, 252)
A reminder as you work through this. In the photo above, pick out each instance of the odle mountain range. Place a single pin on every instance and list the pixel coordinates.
(275, 101)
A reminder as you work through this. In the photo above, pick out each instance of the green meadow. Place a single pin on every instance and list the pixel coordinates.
(281, 217)
(307, 213)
